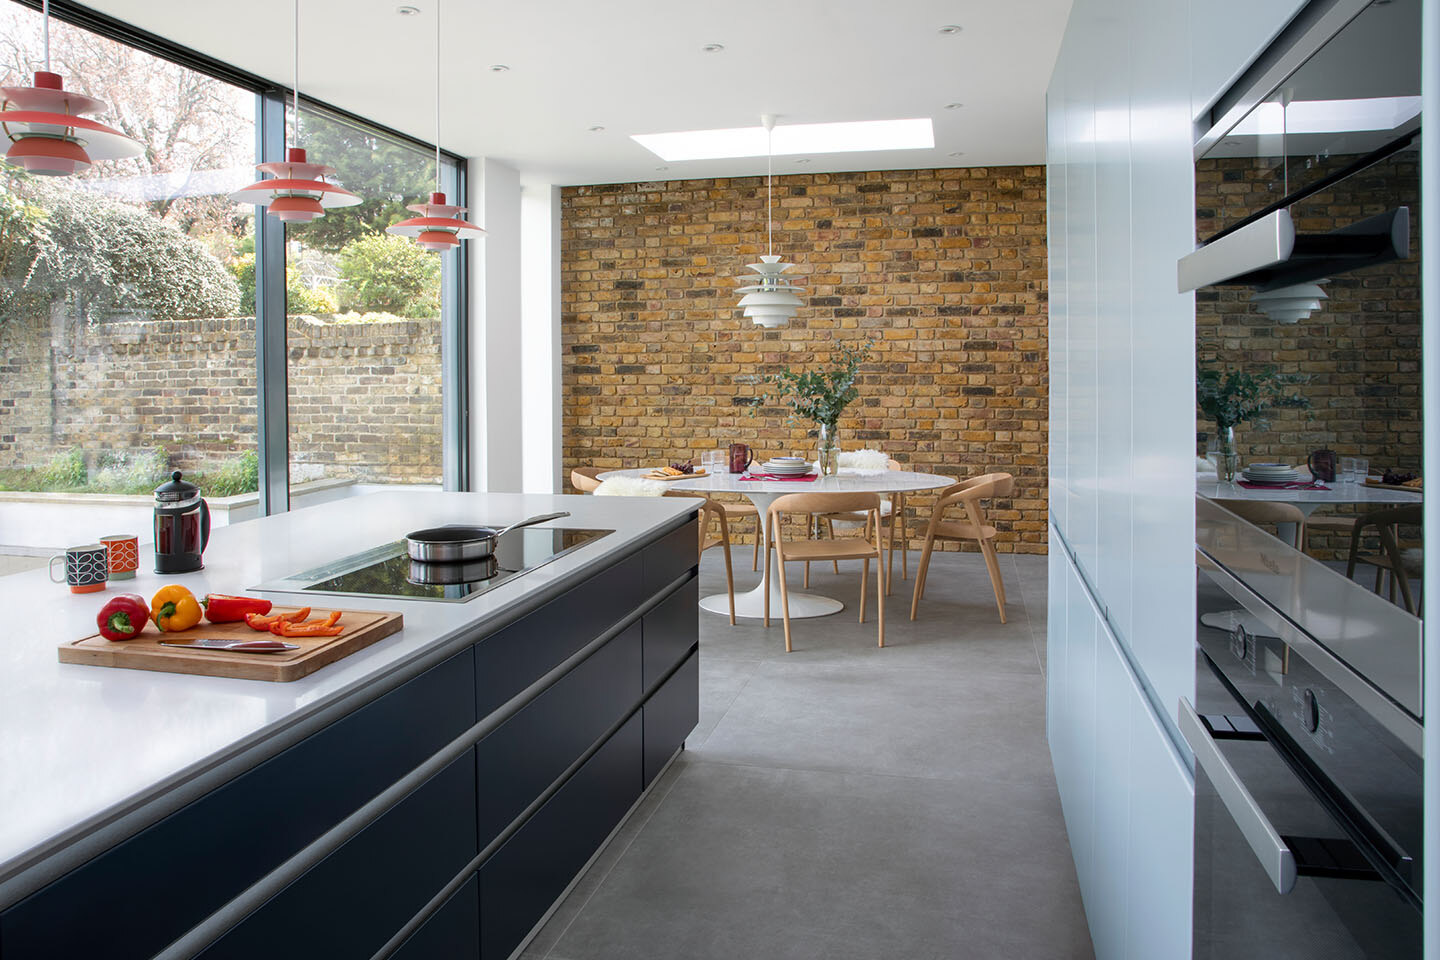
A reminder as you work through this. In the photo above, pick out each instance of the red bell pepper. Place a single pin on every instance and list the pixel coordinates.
(223, 608)
(123, 618)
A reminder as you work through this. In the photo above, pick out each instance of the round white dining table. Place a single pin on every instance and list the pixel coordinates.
(1307, 501)
(762, 493)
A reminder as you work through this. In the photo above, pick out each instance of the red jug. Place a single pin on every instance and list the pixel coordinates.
(1322, 465)
(740, 457)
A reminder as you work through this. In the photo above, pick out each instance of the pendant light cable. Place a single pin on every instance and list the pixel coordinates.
(295, 136)
(45, 27)
(437, 96)
(770, 184)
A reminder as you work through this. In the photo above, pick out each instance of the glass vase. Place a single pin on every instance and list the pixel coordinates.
(1227, 461)
(828, 455)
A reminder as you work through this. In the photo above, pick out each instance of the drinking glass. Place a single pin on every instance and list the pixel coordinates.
(1362, 469)
(1346, 473)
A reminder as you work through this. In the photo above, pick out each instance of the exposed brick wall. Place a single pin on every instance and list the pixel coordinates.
(1360, 352)
(944, 269)
(364, 398)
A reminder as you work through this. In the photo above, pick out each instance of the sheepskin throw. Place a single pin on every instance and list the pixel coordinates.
(630, 487)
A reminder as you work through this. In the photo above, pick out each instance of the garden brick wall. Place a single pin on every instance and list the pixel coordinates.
(1360, 352)
(944, 269)
(364, 398)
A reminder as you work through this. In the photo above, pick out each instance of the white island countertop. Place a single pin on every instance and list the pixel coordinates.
(91, 755)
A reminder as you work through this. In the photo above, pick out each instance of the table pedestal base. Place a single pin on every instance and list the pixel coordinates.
(751, 603)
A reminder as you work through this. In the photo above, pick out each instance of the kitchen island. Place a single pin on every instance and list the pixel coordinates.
(431, 795)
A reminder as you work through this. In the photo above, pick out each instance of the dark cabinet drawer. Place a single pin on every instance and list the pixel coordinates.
(671, 555)
(519, 760)
(354, 900)
(672, 630)
(526, 875)
(147, 891)
(670, 714)
(452, 932)
(518, 655)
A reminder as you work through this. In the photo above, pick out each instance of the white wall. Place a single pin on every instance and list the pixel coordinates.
(1121, 210)
(540, 341)
(496, 432)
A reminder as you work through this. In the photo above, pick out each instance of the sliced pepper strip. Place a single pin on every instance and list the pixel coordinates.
(315, 628)
(255, 622)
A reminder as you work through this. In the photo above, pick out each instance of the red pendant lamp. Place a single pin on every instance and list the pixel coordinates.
(439, 226)
(297, 191)
(46, 130)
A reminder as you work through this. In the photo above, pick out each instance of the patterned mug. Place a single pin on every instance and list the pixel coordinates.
(123, 551)
(86, 568)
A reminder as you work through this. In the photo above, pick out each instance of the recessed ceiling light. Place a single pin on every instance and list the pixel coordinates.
(791, 139)
(662, 168)
(803, 160)
(953, 106)
(597, 128)
(713, 47)
(499, 67)
(950, 29)
(958, 153)
(406, 10)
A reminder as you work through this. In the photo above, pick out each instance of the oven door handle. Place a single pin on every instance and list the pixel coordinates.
(1269, 847)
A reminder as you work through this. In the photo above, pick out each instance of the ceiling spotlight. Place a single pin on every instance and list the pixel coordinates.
(597, 128)
(407, 10)
(953, 106)
(803, 160)
(499, 67)
(958, 153)
(713, 47)
(662, 168)
(950, 29)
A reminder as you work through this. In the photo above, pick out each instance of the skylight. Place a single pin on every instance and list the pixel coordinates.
(789, 139)
(1329, 116)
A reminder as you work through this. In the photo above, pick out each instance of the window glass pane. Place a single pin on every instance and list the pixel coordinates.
(364, 320)
(127, 331)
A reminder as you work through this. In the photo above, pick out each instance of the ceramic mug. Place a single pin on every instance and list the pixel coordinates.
(123, 551)
(86, 568)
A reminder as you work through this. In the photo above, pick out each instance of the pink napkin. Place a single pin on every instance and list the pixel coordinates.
(1297, 485)
(803, 478)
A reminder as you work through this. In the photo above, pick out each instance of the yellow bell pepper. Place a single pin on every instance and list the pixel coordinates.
(174, 608)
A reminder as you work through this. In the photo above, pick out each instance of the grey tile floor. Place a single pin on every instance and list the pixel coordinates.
(845, 801)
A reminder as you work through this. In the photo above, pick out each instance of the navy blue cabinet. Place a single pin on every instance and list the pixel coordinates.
(671, 630)
(670, 556)
(526, 875)
(152, 888)
(354, 900)
(526, 754)
(670, 714)
(452, 932)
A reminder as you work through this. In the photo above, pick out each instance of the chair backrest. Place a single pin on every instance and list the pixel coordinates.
(824, 503)
(583, 479)
(971, 492)
(1264, 511)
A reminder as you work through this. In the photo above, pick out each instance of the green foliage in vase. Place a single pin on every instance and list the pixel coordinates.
(821, 395)
(1230, 398)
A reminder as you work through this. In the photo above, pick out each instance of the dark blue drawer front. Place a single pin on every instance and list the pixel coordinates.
(529, 751)
(526, 875)
(670, 714)
(672, 630)
(452, 932)
(521, 653)
(355, 900)
(670, 556)
(153, 887)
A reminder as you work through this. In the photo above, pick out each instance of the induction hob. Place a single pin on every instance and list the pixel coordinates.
(386, 571)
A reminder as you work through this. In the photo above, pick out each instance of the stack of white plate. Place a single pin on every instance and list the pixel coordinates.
(786, 466)
(1271, 473)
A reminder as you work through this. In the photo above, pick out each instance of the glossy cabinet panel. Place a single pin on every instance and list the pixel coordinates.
(670, 714)
(670, 631)
(1225, 36)
(453, 931)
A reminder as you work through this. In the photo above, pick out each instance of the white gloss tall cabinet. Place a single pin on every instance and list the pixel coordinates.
(1131, 77)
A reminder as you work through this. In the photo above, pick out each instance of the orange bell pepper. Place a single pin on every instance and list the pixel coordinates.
(174, 608)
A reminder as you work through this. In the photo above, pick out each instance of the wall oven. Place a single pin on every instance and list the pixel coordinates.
(1306, 729)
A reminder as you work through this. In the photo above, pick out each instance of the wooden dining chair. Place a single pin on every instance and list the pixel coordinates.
(968, 494)
(892, 516)
(844, 548)
(586, 479)
(739, 510)
(1270, 511)
(713, 511)
(1391, 559)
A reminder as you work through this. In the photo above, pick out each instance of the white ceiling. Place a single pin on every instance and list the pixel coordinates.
(636, 66)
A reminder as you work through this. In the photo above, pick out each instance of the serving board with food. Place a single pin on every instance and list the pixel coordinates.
(247, 639)
(676, 471)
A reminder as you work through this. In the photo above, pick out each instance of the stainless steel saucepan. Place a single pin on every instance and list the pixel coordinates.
(457, 543)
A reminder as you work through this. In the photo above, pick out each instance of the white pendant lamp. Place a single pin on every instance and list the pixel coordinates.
(439, 226)
(771, 301)
(1290, 304)
(297, 190)
(45, 129)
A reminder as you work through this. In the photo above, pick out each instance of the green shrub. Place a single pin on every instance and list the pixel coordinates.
(298, 297)
(388, 274)
(129, 471)
(236, 476)
(65, 472)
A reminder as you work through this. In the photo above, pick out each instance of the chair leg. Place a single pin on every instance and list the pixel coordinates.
(920, 573)
(729, 578)
(767, 574)
(993, 565)
(830, 531)
(882, 587)
(864, 579)
(784, 599)
(890, 553)
(904, 540)
(755, 556)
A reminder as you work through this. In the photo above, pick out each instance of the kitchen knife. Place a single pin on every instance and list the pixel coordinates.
(236, 646)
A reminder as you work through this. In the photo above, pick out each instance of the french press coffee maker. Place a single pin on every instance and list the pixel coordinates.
(182, 526)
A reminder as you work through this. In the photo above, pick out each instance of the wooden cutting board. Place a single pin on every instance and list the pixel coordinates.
(362, 628)
(1372, 482)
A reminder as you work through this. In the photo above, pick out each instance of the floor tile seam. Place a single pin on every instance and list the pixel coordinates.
(726, 712)
(873, 773)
